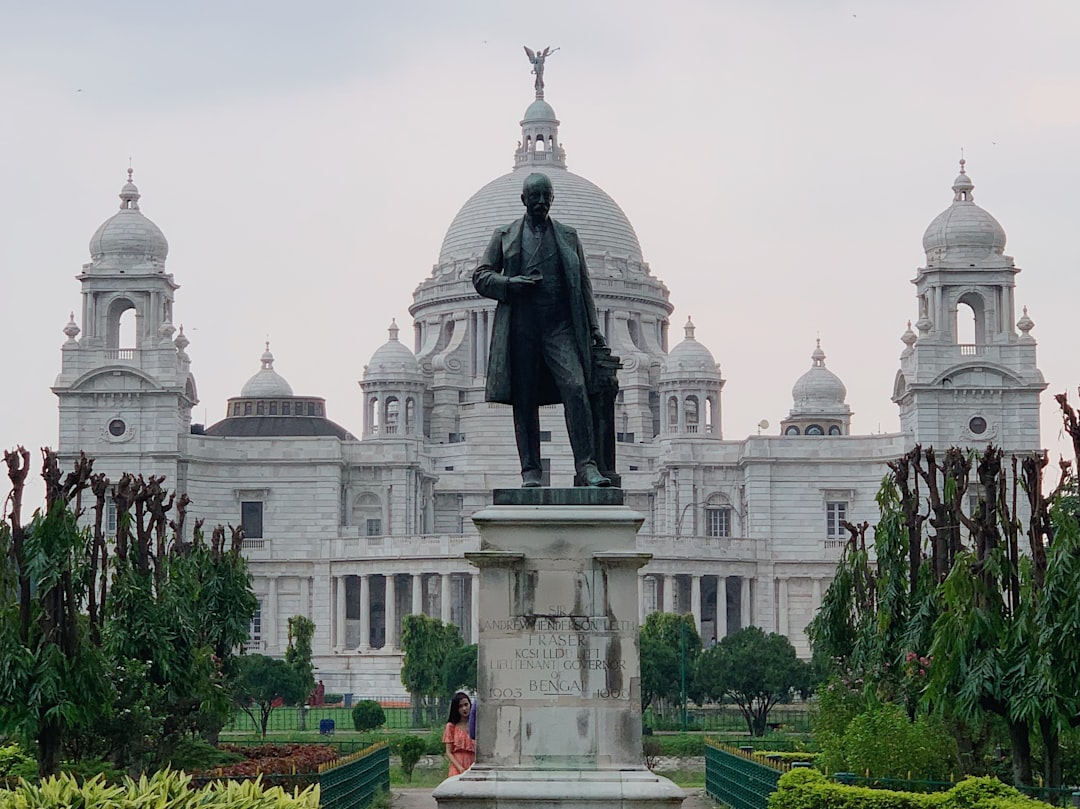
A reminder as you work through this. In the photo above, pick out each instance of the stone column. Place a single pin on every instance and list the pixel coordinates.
(417, 593)
(815, 595)
(444, 598)
(365, 612)
(391, 613)
(474, 608)
(669, 593)
(305, 596)
(641, 599)
(695, 601)
(782, 606)
(339, 613)
(721, 608)
(271, 618)
(744, 602)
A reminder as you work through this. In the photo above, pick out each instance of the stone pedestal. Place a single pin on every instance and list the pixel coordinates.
(559, 682)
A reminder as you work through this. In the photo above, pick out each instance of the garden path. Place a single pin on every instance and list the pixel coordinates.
(421, 799)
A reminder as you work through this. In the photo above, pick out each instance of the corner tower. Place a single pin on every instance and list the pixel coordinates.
(983, 387)
(125, 387)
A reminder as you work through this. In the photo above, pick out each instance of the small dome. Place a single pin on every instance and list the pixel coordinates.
(129, 234)
(963, 231)
(690, 356)
(392, 360)
(539, 110)
(267, 382)
(819, 389)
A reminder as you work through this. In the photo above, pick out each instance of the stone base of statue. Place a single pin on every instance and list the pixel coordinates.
(559, 688)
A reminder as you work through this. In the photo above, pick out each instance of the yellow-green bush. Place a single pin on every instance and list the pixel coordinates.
(165, 788)
(809, 789)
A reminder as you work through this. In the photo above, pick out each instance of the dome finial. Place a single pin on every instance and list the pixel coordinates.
(689, 328)
(818, 356)
(267, 358)
(393, 329)
(129, 194)
(962, 186)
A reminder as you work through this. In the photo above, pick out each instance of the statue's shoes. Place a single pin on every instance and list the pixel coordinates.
(530, 484)
(590, 476)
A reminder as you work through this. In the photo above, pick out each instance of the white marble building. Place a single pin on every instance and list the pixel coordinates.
(356, 532)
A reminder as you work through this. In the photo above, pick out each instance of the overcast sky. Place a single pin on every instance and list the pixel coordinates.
(779, 160)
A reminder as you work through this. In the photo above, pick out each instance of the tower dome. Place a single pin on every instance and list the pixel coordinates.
(689, 358)
(128, 237)
(392, 360)
(964, 233)
(267, 382)
(818, 401)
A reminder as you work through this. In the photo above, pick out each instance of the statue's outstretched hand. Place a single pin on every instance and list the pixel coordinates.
(598, 338)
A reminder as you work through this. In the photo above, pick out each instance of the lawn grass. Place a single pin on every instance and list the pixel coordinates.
(686, 779)
(422, 777)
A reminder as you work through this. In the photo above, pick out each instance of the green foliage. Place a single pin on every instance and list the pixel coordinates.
(410, 749)
(754, 670)
(263, 681)
(298, 652)
(15, 763)
(368, 715)
(884, 743)
(836, 703)
(163, 788)
(667, 643)
(809, 789)
(192, 754)
(427, 643)
(459, 669)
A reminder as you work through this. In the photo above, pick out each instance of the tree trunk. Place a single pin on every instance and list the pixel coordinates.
(1052, 765)
(1019, 737)
(49, 739)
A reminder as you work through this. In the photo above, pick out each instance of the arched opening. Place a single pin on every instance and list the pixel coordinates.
(541, 145)
(410, 415)
(710, 415)
(970, 320)
(390, 421)
(673, 414)
(122, 325)
(372, 415)
(691, 414)
(367, 514)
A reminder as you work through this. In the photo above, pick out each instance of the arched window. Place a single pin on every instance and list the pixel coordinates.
(970, 320)
(791, 430)
(673, 413)
(390, 423)
(367, 514)
(815, 429)
(835, 430)
(373, 415)
(410, 415)
(710, 415)
(719, 517)
(691, 414)
(541, 145)
(121, 325)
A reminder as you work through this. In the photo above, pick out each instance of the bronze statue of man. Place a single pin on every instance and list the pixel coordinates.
(544, 331)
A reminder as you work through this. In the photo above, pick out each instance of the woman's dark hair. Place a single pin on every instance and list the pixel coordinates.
(455, 711)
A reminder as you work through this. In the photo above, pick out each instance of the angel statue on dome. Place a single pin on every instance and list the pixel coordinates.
(537, 58)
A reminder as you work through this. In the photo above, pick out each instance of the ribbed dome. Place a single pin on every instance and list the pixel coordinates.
(539, 110)
(267, 382)
(963, 230)
(819, 388)
(128, 234)
(599, 221)
(392, 360)
(690, 357)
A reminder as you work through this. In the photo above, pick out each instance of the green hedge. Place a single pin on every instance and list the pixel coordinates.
(164, 788)
(809, 789)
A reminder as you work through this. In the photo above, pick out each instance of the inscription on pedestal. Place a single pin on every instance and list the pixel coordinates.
(548, 656)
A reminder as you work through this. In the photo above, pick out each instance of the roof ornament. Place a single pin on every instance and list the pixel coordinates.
(267, 358)
(129, 194)
(689, 328)
(537, 59)
(962, 186)
(818, 356)
(393, 329)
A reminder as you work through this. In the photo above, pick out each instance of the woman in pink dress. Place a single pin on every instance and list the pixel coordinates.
(460, 748)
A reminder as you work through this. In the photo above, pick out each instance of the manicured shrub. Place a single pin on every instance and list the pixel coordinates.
(368, 715)
(410, 749)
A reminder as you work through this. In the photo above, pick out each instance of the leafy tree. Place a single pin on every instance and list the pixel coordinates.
(298, 652)
(263, 681)
(410, 749)
(427, 642)
(753, 669)
(459, 669)
(368, 715)
(669, 644)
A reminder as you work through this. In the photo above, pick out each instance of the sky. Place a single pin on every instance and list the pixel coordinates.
(779, 161)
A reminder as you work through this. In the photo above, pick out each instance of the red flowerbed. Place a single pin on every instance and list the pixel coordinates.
(285, 765)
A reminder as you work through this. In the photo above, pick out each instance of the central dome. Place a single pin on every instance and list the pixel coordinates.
(599, 221)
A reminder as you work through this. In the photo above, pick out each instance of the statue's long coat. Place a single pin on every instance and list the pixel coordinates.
(502, 260)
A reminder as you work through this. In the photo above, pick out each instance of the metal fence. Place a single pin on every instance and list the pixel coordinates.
(292, 719)
(740, 778)
(354, 781)
(727, 719)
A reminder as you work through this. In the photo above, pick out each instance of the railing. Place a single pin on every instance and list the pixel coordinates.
(293, 721)
(740, 779)
(972, 350)
(354, 781)
(121, 353)
(356, 544)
